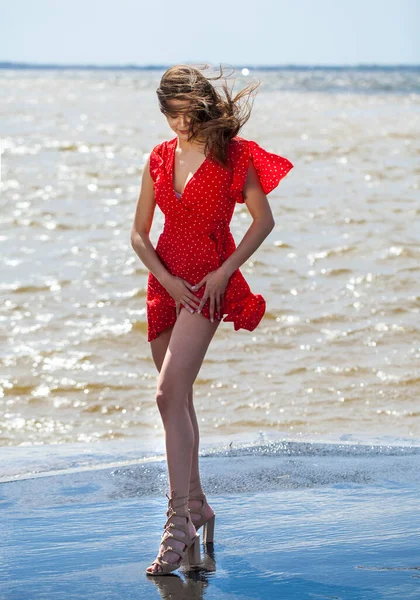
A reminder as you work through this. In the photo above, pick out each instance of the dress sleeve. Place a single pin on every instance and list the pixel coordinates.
(270, 167)
(155, 162)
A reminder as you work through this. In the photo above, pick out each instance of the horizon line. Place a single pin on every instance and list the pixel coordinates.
(157, 66)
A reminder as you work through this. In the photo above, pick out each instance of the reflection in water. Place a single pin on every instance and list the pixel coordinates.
(195, 582)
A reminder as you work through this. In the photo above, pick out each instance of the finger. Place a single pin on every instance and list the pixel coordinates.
(218, 306)
(190, 295)
(212, 309)
(197, 286)
(202, 302)
(189, 307)
(194, 300)
(189, 303)
(177, 309)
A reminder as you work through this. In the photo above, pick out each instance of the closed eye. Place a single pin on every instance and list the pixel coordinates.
(174, 116)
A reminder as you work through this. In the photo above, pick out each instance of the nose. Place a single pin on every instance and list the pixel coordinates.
(183, 121)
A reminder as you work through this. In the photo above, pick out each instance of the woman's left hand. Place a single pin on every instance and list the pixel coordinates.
(216, 283)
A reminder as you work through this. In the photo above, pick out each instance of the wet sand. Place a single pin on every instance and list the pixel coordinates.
(294, 520)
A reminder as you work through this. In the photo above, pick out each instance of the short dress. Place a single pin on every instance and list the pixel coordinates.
(196, 237)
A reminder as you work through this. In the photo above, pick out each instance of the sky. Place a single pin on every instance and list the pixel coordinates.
(238, 32)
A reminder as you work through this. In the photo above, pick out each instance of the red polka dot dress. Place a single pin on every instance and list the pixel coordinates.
(196, 237)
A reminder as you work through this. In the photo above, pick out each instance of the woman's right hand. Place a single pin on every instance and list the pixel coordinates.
(179, 289)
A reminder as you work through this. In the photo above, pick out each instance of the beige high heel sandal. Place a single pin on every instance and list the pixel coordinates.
(192, 545)
(206, 523)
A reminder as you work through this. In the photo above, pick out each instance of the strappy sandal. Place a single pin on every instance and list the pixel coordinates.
(192, 545)
(206, 523)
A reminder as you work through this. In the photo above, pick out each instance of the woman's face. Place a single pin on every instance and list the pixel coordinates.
(178, 118)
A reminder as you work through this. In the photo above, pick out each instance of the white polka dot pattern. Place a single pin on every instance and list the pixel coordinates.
(196, 237)
(271, 168)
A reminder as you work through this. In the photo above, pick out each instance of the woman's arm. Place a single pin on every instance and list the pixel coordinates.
(177, 287)
(262, 222)
(142, 224)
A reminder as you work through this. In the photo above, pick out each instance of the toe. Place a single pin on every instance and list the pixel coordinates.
(153, 568)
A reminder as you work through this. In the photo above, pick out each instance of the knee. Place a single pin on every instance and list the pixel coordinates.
(162, 402)
(170, 400)
(190, 397)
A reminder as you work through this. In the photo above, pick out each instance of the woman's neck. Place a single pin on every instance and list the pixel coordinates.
(186, 146)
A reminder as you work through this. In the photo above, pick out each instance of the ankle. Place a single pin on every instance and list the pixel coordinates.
(177, 503)
(196, 494)
(195, 489)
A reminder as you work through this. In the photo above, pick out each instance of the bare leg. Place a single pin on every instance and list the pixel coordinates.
(159, 347)
(195, 475)
(195, 481)
(188, 343)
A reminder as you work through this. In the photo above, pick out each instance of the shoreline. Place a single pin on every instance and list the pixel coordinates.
(343, 523)
(43, 460)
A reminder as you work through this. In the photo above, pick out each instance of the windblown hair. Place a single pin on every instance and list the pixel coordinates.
(215, 118)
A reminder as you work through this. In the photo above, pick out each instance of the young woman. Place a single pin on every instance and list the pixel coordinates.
(196, 178)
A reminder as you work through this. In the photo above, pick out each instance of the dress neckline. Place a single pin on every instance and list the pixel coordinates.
(172, 170)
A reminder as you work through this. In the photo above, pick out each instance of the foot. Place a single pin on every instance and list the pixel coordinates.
(183, 519)
(203, 510)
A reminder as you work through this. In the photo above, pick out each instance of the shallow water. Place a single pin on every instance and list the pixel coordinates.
(338, 351)
(295, 520)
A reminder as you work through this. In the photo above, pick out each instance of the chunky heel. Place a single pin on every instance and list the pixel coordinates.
(194, 555)
(201, 520)
(208, 530)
